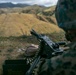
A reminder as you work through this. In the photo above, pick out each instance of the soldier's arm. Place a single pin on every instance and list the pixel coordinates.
(49, 66)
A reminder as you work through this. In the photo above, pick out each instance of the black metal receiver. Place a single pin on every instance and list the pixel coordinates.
(47, 49)
(47, 46)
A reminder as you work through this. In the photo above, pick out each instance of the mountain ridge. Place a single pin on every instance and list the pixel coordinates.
(12, 5)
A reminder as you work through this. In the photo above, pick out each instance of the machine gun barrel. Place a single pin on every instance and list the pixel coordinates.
(47, 49)
(33, 32)
(36, 34)
(53, 46)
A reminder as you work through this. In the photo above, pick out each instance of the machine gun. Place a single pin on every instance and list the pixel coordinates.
(47, 49)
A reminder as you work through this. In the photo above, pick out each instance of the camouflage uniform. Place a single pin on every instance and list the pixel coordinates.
(64, 64)
(66, 14)
(61, 65)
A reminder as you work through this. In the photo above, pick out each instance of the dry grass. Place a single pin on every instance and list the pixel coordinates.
(52, 8)
(15, 24)
(18, 24)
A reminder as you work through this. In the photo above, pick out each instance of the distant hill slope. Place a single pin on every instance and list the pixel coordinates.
(15, 24)
(42, 13)
(25, 9)
(11, 5)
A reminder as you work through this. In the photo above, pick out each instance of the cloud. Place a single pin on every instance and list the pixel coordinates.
(31, 2)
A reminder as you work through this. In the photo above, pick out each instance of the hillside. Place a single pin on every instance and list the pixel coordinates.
(41, 12)
(24, 9)
(15, 24)
(18, 22)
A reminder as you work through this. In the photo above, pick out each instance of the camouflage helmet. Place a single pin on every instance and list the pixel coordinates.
(66, 14)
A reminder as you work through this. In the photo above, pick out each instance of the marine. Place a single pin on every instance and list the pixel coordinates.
(64, 64)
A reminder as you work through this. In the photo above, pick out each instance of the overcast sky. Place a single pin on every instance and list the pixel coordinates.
(39, 2)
